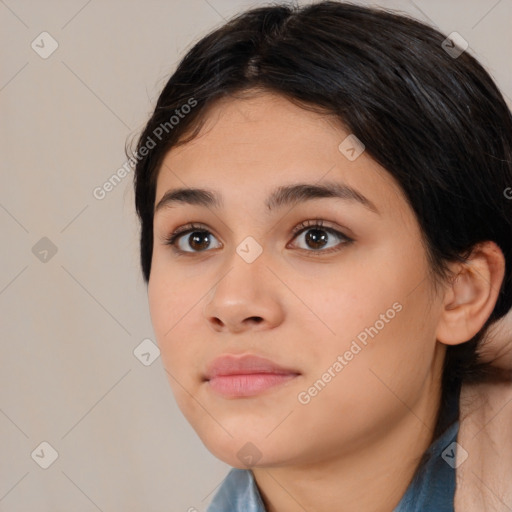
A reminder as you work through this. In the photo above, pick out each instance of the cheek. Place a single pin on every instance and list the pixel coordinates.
(377, 381)
(170, 316)
(172, 291)
(172, 303)
(375, 316)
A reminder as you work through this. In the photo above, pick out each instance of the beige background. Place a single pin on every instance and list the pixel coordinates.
(70, 324)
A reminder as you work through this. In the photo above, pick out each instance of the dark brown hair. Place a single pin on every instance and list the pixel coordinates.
(437, 123)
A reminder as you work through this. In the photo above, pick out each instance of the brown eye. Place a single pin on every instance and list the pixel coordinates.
(190, 238)
(319, 239)
(198, 240)
(316, 238)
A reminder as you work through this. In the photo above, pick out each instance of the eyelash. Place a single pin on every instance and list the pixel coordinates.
(303, 226)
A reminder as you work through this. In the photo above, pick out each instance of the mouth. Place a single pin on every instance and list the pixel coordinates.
(245, 376)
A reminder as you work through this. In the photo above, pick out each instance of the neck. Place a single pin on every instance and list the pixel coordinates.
(373, 479)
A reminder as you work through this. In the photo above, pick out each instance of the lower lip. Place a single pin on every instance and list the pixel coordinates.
(236, 386)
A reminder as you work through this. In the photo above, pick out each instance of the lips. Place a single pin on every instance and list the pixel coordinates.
(243, 376)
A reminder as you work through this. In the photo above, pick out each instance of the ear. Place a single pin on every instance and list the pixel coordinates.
(470, 298)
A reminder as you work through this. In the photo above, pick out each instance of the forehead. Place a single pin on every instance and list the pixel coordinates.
(248, 147)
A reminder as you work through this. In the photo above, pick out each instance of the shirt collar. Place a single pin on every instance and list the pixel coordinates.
(431, 490)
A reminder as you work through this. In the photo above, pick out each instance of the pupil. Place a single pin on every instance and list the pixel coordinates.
(196, 237)
(313, 236)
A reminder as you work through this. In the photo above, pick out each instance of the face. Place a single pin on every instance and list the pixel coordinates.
(332, 292)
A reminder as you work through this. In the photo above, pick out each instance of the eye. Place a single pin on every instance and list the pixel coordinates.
(199, 238)
(318, 237)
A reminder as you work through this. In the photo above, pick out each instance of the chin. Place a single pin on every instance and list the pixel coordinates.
(244, 450)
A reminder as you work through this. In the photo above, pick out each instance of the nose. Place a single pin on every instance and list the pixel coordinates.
(248, 296)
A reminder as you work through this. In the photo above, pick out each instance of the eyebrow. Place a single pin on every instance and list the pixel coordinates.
(282, 196)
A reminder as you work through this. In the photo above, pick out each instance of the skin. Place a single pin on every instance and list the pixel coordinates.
(340, 448)
(484, 478)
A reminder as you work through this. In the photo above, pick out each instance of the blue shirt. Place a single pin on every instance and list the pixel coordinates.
(431, 490)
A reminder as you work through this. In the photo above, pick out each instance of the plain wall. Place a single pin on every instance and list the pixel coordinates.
(70, 321)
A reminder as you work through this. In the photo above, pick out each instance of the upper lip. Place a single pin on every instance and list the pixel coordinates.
(229, 364)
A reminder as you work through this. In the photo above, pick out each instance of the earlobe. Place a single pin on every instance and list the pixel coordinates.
(470, 298)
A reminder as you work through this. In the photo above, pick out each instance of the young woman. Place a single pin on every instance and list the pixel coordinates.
(326, 238)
